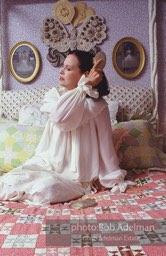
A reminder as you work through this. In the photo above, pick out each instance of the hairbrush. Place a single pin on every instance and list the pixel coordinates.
(82, 203)
(100, 56)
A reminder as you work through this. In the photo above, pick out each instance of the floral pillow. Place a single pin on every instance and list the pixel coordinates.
(138, 149)
(17, 143)
(118, 135)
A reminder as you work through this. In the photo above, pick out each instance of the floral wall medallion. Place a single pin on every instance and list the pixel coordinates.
(60, 41)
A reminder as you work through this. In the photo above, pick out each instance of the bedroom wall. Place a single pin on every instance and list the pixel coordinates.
(22, 20)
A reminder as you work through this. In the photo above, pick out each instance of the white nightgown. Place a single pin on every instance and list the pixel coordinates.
(75, 149)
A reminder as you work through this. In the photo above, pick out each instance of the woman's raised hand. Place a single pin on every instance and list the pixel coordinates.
(95, 75)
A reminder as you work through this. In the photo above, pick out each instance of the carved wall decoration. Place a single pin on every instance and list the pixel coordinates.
(82, 12)
(64, 11)
(60, 41)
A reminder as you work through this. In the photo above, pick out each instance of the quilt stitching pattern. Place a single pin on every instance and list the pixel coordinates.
(126, 224)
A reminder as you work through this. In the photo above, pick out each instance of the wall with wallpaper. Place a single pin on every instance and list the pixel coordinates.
(22, 20)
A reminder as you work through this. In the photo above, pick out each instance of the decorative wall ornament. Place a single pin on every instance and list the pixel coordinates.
(60, 41)
(82, 11)
(64, 11)
(24, 61)
(128, 57)
(55, 57)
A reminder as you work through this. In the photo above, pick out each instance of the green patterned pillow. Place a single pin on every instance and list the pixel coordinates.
(17, 143)
(138, 149)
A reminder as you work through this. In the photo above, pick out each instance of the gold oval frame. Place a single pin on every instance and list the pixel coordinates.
(26, 71)
(128, 66)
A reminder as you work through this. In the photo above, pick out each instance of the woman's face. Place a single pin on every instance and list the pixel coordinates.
(71, 73)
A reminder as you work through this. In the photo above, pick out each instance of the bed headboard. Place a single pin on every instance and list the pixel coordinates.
(134, 102)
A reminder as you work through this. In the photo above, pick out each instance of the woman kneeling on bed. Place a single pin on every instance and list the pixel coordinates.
(76, 147)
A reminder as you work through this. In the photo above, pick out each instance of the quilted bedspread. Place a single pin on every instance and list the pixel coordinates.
(127, 224)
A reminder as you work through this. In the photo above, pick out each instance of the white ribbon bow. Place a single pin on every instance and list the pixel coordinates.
(122, 186)
(87, 88)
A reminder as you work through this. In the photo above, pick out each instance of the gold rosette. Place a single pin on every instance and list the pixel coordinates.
(64, 11)
(82, 12)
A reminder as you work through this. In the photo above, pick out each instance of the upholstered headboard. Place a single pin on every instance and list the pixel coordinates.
(133, 101)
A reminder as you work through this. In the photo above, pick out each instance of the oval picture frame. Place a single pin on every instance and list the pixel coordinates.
(128, 57)
(24, 61)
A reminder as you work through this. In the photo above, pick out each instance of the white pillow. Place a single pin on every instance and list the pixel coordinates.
(31, 115)
(113, 110)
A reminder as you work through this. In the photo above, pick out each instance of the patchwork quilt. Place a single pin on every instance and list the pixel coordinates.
(126, 224)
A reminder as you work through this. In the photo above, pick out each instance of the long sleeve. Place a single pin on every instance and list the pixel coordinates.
(73, 108)
(110, 172)
(50, 98)
(110, 175)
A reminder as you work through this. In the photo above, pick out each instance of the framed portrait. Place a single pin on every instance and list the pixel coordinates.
(128, 58)
(24, 61)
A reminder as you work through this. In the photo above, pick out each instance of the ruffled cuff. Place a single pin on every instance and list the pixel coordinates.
(83, 86)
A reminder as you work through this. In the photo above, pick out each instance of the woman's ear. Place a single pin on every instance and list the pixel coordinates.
(86, 73)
